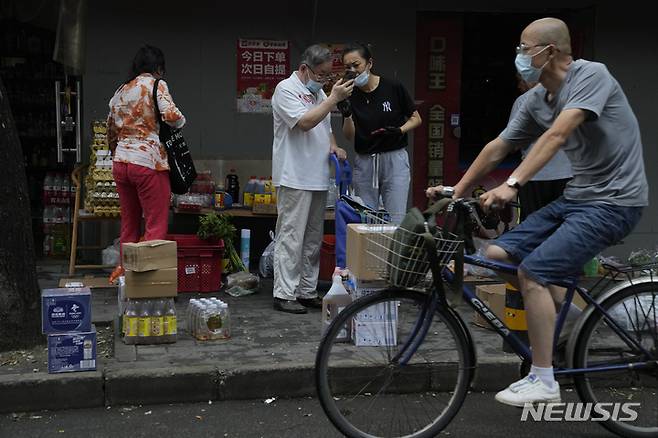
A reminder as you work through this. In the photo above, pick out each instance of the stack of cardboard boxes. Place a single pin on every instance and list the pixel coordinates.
(151, 282)
(66, 320)
(377, 325)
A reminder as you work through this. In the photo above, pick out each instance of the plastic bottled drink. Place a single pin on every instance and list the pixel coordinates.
(157, 321)
(213, 322)
(72, 190)
(260, 185)
(332, 304)
(65, 189)
(47, 230)
(57, 185)
(201, 320)
(270, 191)
(170, 322)
(47, 187)
(144, 323)
(191, 307)
(268, 185)
(226, 320)
(249, 191)
(130, 322)
(245, 237)
(262, 196)
(192, 314)
(233, 184)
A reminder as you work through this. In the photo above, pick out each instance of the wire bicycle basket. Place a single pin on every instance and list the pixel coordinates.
(399, 255)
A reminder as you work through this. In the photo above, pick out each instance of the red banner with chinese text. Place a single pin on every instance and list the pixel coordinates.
(262, 64)
(438, 90)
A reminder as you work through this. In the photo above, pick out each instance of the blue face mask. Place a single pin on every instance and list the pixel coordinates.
(362, 79)
(529, 72)
(313, 86)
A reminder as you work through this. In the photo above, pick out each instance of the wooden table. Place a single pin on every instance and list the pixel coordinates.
(186, 222)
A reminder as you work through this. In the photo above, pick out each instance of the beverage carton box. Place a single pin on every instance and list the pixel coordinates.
(68, 352)
(66, 310)
(149, 255)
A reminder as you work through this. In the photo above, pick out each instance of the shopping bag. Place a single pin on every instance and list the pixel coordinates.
(181, 166)
(408, 261)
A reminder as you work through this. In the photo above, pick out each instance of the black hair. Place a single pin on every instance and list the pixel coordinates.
(148, 59)
(355, 46)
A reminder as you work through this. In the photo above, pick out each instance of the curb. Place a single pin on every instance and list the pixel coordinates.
(34, 392)
(184, 384)
(160, 385)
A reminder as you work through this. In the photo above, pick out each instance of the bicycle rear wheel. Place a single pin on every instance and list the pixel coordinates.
(366, 390)
(635, 309)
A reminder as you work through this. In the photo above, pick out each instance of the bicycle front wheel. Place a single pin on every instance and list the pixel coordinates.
(377, 382)
(627, 393)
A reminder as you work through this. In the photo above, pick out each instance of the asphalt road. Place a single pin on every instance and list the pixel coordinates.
(480, 416)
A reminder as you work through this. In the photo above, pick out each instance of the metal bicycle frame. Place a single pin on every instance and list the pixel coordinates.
(422, 324)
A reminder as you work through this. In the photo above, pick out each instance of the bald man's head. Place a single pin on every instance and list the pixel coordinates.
(549, 31)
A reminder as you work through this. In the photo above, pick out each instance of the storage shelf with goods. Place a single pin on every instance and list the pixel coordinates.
(101, 197)
(29, 74)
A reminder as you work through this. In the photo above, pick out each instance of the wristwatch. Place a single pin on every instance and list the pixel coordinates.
(513, 183)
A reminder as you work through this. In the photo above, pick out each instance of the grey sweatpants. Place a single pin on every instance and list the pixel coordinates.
(386, 174)
(298, 239)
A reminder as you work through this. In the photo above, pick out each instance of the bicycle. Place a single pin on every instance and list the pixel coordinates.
(414, 376)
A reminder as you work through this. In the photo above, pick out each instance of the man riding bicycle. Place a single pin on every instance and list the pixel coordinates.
(578, 107)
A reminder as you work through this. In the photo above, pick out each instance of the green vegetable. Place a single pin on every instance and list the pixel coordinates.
(218, 226)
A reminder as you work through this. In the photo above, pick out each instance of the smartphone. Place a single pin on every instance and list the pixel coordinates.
(349, 75)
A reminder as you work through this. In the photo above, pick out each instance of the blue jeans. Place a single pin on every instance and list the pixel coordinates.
(553, 244)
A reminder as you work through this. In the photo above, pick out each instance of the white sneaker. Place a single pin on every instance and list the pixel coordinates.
(530, 389)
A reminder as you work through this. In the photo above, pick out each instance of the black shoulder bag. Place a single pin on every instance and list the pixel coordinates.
(181, 166)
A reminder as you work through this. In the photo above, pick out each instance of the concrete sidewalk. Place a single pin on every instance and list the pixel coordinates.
(270, 354)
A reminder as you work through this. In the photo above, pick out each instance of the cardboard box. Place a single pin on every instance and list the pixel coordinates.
(493, 296)
(68, 352)
(361, 288)
(259, 208)
(66, 310)
(89, 281)
(381, 312)
(149, 255)
(374, 334)
(360, 258)
(377, 312)
(152, 284)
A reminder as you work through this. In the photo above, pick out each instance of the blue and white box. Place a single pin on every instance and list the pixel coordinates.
(66, 310)
(68, 352)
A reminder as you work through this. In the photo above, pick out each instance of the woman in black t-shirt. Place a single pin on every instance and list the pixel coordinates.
(377, 118)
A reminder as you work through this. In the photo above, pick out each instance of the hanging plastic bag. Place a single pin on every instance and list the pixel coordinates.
(266, 262)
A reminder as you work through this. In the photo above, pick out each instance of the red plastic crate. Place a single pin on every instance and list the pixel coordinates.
(199, 263)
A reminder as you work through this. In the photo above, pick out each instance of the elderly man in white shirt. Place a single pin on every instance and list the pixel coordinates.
(302, 143)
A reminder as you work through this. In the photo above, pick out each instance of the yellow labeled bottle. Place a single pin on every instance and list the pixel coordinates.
(130, 323)
(157, 321)
(171, 322)
(144, 323)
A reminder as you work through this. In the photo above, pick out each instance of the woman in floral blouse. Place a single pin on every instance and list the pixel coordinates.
(140, 165)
